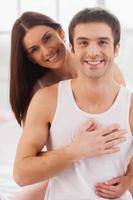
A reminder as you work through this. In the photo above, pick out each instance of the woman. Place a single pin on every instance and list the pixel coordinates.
(30, 61)
(39, 57)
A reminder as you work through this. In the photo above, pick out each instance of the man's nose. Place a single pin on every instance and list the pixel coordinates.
(93, 50)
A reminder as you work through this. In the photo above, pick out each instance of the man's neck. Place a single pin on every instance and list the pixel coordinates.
(95, 96)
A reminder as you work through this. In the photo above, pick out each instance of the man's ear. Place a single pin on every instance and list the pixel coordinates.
(117, 50)
(71, 48)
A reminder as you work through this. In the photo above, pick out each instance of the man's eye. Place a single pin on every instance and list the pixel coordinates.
(103, 42)
(83, 43)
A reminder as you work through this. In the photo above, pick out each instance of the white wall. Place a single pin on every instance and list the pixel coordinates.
(62, 10)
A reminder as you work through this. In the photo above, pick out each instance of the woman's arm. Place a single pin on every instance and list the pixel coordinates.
(30, 167)
(118, 76)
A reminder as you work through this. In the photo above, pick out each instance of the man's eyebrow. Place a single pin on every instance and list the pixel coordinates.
(100, 38)
(82, 38)
(104, 38)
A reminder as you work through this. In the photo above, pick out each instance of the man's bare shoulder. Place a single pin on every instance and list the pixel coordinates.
(131, 114)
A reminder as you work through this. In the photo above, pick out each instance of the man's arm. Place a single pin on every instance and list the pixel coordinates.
(116, 187)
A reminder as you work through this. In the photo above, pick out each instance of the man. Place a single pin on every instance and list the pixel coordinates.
(77, 161)
(114, 187)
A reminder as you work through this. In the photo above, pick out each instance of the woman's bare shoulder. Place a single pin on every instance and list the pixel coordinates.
(47, 91)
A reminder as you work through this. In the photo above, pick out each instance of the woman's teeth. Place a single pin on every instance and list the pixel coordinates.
(53, 57)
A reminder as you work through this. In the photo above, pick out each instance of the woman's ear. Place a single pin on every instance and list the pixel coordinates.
(61, 34)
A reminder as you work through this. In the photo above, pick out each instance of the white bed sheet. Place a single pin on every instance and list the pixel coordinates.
(9, 135)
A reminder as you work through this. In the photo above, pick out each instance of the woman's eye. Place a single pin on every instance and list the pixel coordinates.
(33, 50)
(47, 38)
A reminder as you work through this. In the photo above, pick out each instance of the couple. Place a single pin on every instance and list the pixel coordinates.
(82, 121)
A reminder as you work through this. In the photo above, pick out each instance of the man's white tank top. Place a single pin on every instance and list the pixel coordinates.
(78, 181)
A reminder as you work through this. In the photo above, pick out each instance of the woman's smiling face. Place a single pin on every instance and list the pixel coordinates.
(45, 46)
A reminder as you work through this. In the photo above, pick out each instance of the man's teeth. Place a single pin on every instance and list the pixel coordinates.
(94, 62)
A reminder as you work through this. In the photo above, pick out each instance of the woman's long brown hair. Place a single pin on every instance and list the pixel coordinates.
(23, 72)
